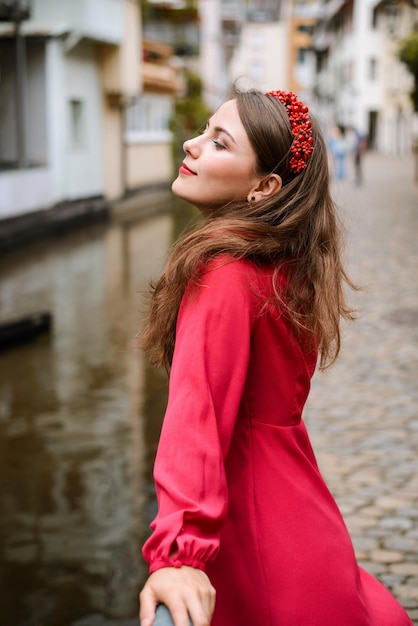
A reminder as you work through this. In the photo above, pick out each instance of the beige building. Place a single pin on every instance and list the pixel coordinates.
(302, 18)
(263, 44)
(260, 58)
(147, 136)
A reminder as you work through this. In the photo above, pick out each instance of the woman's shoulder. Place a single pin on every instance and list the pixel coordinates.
(223, 283)
(236, 287)
(226, 277)
(231, 274)
(228, 265)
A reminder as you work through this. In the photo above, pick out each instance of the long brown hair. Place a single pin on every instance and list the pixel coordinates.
(296, 228)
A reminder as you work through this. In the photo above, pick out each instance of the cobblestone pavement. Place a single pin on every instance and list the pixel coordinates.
(363, 412)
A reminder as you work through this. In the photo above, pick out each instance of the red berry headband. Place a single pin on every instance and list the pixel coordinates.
(298, 114)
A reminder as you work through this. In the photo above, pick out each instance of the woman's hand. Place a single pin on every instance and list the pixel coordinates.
(185, 591)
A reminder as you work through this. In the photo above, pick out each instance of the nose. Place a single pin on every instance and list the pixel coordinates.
(190, 146)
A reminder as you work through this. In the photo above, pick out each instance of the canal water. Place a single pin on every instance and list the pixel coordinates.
(80, 415)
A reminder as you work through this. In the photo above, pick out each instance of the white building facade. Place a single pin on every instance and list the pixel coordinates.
(54, 151)
(243, 42)
(360, 81)
(79, 120)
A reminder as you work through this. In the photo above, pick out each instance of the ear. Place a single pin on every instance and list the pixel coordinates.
(266, 187)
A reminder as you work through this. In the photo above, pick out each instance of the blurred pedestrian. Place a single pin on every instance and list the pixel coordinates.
(337, 143)
(359, 148)
(244, 306)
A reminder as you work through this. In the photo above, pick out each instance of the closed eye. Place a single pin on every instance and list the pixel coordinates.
(218, 145)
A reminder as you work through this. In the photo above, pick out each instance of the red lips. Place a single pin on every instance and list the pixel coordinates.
(186, 170)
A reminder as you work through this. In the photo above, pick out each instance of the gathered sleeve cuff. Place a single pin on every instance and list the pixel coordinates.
(206, 386)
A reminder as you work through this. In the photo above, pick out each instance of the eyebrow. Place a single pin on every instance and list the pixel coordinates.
(219, 129)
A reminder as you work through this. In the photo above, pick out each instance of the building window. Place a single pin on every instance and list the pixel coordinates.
(373, 69)
(256, 71)
(76, 123)
(256, 40)
(23, 123)
(307, 29)
(148, 119)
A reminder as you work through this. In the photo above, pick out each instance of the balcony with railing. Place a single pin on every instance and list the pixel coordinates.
(14, 10)
(98, 20)
(157, 72)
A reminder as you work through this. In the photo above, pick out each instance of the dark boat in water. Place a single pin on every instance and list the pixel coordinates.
(24, 329)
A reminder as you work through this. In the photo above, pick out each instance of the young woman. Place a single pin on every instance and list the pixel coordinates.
(245, 306)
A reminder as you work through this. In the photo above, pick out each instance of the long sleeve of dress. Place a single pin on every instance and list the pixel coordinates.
(206, 384)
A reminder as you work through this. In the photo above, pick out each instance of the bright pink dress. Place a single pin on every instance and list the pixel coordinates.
(239, 491)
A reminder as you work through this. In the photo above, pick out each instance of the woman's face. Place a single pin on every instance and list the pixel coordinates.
(219, 165)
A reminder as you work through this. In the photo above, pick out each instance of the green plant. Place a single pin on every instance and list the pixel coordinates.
(190, 112)
(190, 115)
(408, 54)
(165, 13)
